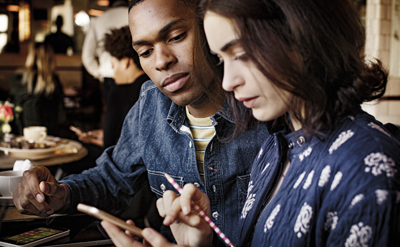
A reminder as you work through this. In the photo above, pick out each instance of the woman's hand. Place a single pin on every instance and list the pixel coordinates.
(125, 239)
(187, 226)
(93, 137)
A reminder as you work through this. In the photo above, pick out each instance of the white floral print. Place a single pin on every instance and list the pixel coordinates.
(381, 196)
(377, 163)
(270, 221)
(308, 180)
(248, 205)
(261, 151)
(265, 168)
(305, 154)
(331, 221)
(375, 126)
(359, 236)
(325, 175)
(303, 220)
(336, 180)
(250, 188)
(343, 137)
(356, 199)
(299, 180)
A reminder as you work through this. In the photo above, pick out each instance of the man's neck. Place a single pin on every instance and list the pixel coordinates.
(204, 107)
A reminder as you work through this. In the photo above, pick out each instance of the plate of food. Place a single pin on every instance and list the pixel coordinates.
(19, 147)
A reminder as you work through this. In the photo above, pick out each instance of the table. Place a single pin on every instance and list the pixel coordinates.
(65, 155)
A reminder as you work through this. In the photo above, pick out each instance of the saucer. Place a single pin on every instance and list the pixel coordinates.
(6, 200)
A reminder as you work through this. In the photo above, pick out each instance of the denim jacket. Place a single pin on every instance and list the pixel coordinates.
(156, 139)
(339, 190)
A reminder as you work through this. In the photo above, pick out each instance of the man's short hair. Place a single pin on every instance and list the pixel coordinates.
(188, 3)
(119, 44)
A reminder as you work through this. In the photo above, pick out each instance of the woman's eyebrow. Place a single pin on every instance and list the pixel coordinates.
(230, 44)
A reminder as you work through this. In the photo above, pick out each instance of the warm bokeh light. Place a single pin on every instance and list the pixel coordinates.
(82, 19)
(24, 22)
(3, 40)
(95, 12)
(13, 8)
(103, 3)
(3, 23)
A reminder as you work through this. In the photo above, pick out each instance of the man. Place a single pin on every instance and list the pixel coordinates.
(156, 137)
(59, 41)
(95, 58)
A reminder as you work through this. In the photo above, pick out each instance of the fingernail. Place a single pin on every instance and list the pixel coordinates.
(39, 198)
(147, 232)
(167, 220)
(49, 212)
(185, 210)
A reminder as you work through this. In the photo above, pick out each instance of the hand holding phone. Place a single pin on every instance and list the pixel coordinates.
(108, 217)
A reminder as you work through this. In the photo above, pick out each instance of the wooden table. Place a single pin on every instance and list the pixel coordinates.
(73, 151)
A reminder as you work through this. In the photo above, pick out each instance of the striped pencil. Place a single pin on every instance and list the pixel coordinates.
(201, 213)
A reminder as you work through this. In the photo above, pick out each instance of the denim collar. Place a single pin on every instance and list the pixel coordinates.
(177, 115)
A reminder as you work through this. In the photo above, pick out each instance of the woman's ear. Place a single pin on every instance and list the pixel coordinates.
(126, 62)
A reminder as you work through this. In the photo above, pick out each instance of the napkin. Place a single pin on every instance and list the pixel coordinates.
(22, 165)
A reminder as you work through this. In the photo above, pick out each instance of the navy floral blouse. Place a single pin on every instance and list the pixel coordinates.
(340, 190)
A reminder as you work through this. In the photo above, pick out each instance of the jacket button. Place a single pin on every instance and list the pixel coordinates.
(197, 185)
(215, 215)
(214, 188)
(162, 186)
(291, 145)
(190, 144)
(300, 140)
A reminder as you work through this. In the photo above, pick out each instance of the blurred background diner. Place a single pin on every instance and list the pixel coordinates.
(23, 23)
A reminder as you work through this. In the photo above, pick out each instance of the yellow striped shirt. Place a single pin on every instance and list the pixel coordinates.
(202, 132)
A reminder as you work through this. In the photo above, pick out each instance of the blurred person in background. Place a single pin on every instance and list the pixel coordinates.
(59, 41)
(129, 78)
(95, 58)
(37, 93)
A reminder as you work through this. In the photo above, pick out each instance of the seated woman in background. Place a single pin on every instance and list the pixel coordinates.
(331, 175)
(37, 93)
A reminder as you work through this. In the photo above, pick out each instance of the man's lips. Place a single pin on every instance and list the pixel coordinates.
(249, 102)
(175, 82)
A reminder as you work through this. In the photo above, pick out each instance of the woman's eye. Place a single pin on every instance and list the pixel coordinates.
(242, 57)
(179, 37)
(146, 53)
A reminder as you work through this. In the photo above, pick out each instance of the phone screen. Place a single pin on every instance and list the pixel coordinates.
(33, 235)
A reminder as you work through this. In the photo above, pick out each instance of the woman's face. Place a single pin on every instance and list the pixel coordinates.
(241, 75)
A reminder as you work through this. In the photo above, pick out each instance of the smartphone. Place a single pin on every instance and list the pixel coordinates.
(34, 237)
(110, 218)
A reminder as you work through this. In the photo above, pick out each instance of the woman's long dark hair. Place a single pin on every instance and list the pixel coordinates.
(310, 48)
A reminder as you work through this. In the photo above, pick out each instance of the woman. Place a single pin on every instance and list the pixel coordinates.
(37, 92)
(331, 176)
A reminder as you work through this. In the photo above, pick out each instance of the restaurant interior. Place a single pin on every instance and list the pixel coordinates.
(27, 21)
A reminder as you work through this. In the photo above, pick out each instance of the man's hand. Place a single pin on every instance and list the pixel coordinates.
(93, 137)
(40, 193)
(187, 226)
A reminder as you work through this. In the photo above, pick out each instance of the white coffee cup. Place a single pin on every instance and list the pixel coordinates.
(35, 133)
(9, 182)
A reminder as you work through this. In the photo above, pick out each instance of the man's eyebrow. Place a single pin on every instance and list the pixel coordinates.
(230, 44)
(162, 32)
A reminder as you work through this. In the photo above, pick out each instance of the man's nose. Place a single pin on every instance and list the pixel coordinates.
(164, 58)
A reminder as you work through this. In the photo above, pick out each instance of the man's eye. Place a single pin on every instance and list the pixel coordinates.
(146, 53)
(179, 37)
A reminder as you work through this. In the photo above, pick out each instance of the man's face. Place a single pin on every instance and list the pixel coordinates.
(163, 34)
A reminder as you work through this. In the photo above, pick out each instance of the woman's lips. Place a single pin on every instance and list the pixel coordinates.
(248, 102)
(175, 82)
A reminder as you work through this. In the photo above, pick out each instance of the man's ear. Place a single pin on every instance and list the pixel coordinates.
(126, 62)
